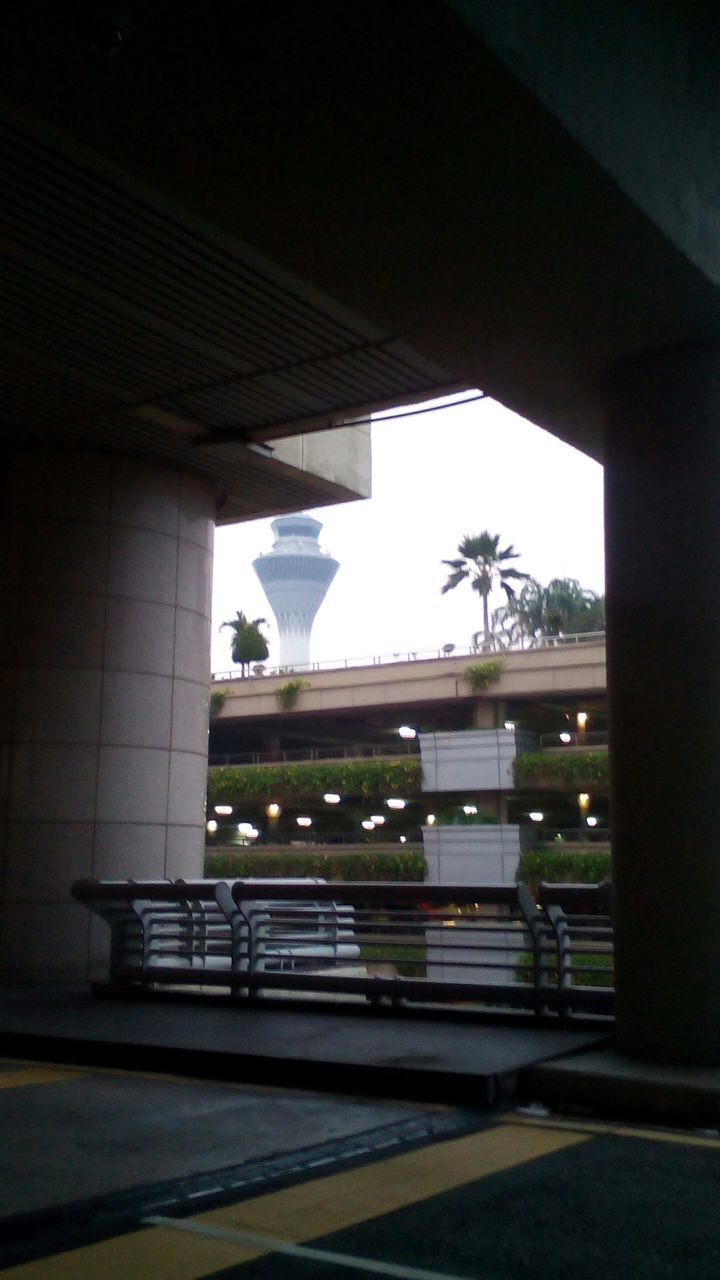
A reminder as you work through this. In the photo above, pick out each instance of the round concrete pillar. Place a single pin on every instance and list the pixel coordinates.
(105, 579)
(663, 624)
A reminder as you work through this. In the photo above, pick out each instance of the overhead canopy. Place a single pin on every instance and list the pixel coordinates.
(258, 220)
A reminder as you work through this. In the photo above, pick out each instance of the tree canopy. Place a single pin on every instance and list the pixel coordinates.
(248, 643)
(563, 607)
(484, 565)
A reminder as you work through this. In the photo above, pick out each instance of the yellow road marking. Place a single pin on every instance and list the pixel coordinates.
(36, 1075)
(305, 1212)
(617, 1130)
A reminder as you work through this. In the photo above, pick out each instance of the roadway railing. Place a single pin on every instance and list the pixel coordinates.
(557, 836)
(495, 647)
(354, 751)
(480, 944)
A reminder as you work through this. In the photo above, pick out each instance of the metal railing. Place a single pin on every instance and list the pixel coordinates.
(479, 944)
(353, 751)
(495, 646)
(557, 836)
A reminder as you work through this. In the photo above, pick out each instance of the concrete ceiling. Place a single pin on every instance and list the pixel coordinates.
(256, 219)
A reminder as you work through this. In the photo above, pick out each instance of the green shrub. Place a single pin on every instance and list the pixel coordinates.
(456, 818)
(407, 864)
(566, 769)
(264, 782)
(600, 961)
(217, 700)
(481, 674)
(563, 866)
(287, 694)
(409, 961)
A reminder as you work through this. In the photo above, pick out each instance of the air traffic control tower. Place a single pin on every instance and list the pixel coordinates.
(295, 577)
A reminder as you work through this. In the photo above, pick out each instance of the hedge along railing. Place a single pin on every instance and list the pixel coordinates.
(562, 770)
(563, 866)
(407, 865)
(364, 778)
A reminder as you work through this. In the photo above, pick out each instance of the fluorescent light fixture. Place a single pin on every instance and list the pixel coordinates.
(368, 824)
(331, 797)
(407, 731)
(565, 737)
(304, 822)
(469, 809)
(591, 821)
(535, 815)
(377, 818)
(509, 725)
(224, 809)
(246, 828)
(395, 803)
(212, 826)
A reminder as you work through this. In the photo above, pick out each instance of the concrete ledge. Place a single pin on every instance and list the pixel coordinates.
(604, 1082)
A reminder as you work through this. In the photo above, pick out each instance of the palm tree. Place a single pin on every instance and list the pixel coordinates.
(248, 642)
(483, 564)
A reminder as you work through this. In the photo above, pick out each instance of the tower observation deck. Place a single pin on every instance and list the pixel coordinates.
(295, 576)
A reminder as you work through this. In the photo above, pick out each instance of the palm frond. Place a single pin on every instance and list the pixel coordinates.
(515, 574)
(453, 580)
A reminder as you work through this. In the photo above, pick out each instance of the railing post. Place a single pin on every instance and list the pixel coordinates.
(533, 917)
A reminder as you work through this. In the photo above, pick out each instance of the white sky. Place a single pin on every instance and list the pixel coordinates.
(436, 477)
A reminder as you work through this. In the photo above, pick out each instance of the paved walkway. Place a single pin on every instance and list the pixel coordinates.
(110, 1176)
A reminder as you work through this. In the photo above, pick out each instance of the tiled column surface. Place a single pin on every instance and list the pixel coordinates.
(105, 579)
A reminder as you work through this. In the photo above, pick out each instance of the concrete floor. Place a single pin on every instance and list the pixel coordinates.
(455, 1056)
(107, 1172)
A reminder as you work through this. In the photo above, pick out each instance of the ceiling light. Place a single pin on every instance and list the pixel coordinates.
(395, 803)
(331, 797)
(304, 822)
(224, 809)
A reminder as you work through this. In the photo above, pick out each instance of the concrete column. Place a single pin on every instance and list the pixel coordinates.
(663, 623)
(484, 714)
(105, 577)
